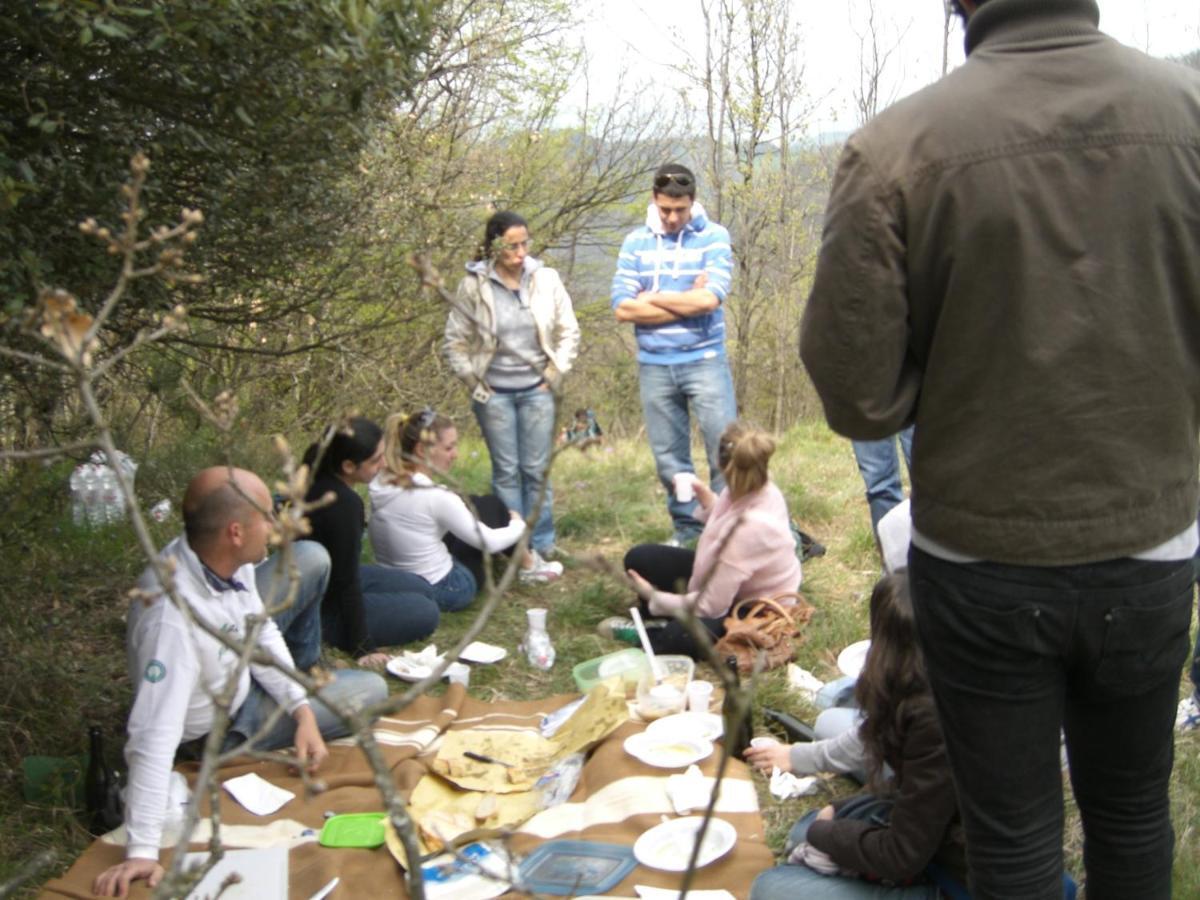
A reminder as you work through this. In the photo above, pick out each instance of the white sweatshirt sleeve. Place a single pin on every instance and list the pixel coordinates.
(167, 669)
(451, 513)
(287, 693)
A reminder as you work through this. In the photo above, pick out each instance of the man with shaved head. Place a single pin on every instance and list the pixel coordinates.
(179, 669)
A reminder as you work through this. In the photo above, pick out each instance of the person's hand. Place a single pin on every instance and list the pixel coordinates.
(704, 494)
(767, 758)
(310, 748)
(641, 586)
(374, 660)
(115, 880)
(514, 516)
(826, 813)
(701, 282)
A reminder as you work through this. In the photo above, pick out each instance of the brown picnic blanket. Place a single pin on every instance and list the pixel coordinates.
(616, 800)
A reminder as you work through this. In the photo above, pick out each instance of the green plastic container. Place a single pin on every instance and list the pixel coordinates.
(364, 830)
(629, 663)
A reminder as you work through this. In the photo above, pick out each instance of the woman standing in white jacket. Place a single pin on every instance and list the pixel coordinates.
(510, 337)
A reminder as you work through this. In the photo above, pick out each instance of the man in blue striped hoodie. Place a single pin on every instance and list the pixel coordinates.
(673, 275)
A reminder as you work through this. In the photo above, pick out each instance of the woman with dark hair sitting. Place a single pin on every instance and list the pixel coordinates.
(745, 550)
(423, 528)
(882, 844)
(365, 606)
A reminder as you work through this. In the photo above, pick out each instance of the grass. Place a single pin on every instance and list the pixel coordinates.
(61, 618)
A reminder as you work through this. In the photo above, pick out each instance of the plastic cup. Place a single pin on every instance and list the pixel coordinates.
(459, 673)
(764, 742)
(685, 486)
(699, 696)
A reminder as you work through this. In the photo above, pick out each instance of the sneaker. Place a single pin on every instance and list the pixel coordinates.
(1187, 716)
(619, 628)
(541, 571)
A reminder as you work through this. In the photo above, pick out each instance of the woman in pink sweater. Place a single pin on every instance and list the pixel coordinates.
(745, 550)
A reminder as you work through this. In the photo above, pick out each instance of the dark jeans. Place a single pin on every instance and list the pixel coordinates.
(668, 569)
(492, 512)
(1014, 654)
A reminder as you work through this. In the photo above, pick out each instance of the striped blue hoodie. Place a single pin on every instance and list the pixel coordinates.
(653, 261)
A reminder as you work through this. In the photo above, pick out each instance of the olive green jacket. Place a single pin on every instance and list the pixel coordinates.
(1011, 260)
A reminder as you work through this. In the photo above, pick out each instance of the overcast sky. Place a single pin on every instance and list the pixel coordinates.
(647, 39)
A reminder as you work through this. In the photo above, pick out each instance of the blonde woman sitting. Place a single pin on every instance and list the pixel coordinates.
(422, 527)
(745, 550)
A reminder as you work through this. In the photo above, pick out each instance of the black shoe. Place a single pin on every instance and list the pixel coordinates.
(798, 732)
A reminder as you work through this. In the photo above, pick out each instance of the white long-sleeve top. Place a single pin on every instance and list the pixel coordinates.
(176, 670)
(407, 525)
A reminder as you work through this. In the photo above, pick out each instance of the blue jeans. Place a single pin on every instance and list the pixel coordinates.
(398, 608)
(300, 623)
(1195, 672)
(350, 688)
(789, 882)
(1016, 653)
(456, 590)
(880, 470)
(668, 392)
(519, 431)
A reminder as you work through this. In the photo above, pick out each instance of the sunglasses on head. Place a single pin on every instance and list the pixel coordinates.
(680, 178)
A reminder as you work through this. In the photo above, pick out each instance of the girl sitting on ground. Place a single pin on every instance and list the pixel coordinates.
(424, 528)
(881, 844)
(364, 606)
(745, 550)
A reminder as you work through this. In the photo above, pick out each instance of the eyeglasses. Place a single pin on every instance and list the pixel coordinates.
(680, 178)
(425, 417)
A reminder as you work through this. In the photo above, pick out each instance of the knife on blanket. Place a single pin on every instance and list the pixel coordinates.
(479, 757)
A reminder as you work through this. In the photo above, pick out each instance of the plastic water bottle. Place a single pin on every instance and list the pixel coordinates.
(91, 495)
(111, 499)
(536, 645)
(78, 501)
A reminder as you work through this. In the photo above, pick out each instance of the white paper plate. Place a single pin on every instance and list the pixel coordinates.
(407, 670)
(669, 846)
(850, 661)
(668, 751)
(479, 652)
(706, 726)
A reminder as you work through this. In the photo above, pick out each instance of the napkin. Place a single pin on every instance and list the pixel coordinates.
(803, 681)
(257, 794)
(689, 791)
(785, 785)
(653, 893)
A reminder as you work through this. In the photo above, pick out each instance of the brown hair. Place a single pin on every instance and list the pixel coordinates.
(743, 455)
(403, 436)
(892, 683)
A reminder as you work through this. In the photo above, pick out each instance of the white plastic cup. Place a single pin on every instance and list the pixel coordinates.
(685, 486)
(759, 742)
(699, 696)
(536, 618)
(459, 673)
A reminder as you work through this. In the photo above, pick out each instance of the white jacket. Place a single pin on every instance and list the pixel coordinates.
(470, 341)
(408, 523)
(176, 670)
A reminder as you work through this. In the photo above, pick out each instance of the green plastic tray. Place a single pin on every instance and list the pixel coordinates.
(354, 830)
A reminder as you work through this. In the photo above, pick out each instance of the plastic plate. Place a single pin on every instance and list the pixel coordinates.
(479, 652)
(668, 751)
(850, 661)
(406, 670)
(669, 846)
(705, 726)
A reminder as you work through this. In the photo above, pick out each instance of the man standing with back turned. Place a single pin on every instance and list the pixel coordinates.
(1011, 260)
(673, 275)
